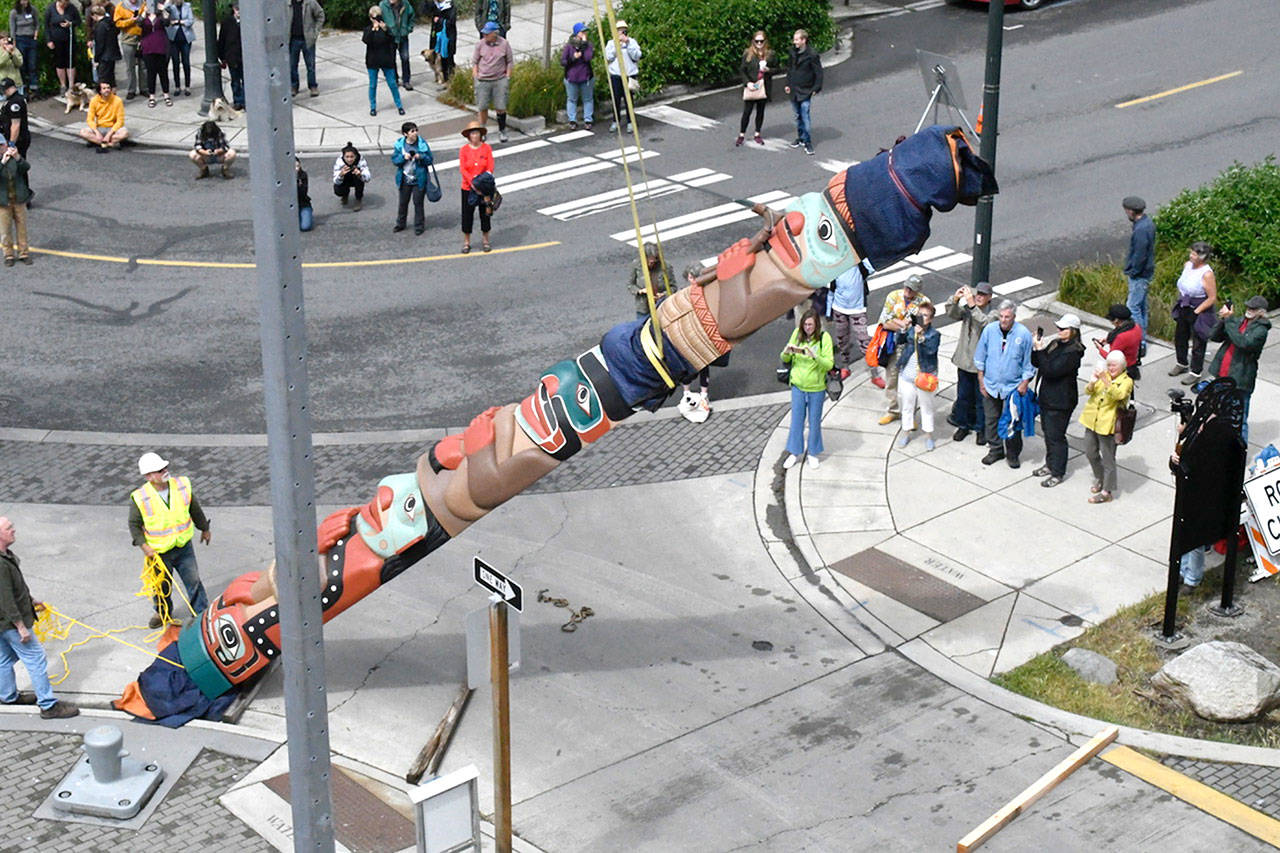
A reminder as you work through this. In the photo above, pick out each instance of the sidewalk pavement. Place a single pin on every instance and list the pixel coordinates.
(977, 568)
(341, 111)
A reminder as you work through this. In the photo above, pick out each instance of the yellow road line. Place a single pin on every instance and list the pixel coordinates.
(376, 262)
(1169, 92)
(1197, 794)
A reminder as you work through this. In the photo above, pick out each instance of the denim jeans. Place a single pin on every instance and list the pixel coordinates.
(967, 412)
(805, 404)
(1137, 305)
(584, 92)
(182, 562)
(402, 47)
(388, 74)
(27, 47)
(308, 53)
(1244, 430)
(306, 218)
(1192, 568)
(180, 56)
(801, 110)
(237, 85)
(31, 653)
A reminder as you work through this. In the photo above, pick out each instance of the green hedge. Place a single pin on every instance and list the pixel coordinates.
(702, 41)
(534, 90)
(1238, 213)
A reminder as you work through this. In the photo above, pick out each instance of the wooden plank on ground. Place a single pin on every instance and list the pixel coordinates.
(1198, 794)
(1038, 789)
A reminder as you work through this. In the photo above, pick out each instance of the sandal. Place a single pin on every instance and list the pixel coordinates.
(1050, 482)
(151, 101)
(1100, 498)
(485, 247)
(168, 102)
(1096, 487)
(466, 250)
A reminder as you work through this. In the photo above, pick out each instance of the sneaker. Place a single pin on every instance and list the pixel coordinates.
(626, 128)
(960, 434)
(398, 228)
(1014, 462)
(59, 710)
(904, 439)
(359, 203)
(687, 403)
(1177, 368)
(738, 142)
(1190, 379)
(813, 462)
(408, 85)
(844, 373)
(8, 262)
(992, 457)
(888, 418)
(758, 139)
(790, 461)
(703, 403)
(929, 443)
(502, 136)
(981, 439)
(315, 93)
(226, 170)
(797, 144)
(573, 125)
(1042, 471)
(400, 110)
(587, 126)
(203, 173)
(155, 621)
(877, 381)
(613, 125)
(808, 149)
(25, 697)
(342, 200)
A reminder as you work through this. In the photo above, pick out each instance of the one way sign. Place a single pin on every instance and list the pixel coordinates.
(494, 581)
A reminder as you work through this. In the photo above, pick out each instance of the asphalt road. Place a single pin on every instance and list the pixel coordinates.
(104, 345)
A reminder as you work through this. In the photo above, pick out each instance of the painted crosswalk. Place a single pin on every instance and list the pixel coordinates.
(668, 114)
(704, 220)
(653, 188)
(567, 169)
(1016, 285)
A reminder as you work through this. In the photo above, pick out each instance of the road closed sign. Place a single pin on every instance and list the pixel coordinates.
(1263, 495)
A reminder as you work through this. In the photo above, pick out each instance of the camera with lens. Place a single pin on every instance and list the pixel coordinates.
(915, 319)
(1180, 405)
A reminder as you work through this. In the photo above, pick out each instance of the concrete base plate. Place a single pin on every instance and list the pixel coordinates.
(80, 793)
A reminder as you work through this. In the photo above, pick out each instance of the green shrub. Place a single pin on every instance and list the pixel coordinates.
(461, 90)
(534, 90)
(47, 77)
(702, 41)
(347, 14)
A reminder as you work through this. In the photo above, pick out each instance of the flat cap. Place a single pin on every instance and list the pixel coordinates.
(1256, 303)
(1133, 202)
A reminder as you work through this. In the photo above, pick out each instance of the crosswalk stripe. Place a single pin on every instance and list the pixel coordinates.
(703, 220)
(1016, 285)
(656, 187)
(836, 166)
(680, 118)
(568, 169)
(925, 4)
(571, 135)
(503, 151)
(771, 145)
(949, 261)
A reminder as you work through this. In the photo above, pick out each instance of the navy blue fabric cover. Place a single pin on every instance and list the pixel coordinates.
(173, 697)
(637, 381)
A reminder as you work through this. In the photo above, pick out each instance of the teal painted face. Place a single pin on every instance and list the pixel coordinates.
(810, 242)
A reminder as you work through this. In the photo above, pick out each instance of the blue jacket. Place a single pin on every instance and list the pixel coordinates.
(1004, 361)
(1027, 407)
(928, 357)
(423, 160)
(1141, 262)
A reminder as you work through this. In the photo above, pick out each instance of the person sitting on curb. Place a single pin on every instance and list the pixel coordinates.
(211, 147)
(14, 195)
(105, 123)
(350, 172)
(18, 643)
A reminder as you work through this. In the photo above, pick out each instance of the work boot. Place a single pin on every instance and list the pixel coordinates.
(59, 710)
(25, 697)
(155, 621)
(993, 456)
(960, 435)
(1177, 368)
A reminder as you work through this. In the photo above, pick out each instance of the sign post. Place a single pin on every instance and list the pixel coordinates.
(506, 593)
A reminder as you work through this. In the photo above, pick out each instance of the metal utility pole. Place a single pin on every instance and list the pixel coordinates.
(212, 70)
(501, 724)
(990, 115)
(284, 371)
(546, 37)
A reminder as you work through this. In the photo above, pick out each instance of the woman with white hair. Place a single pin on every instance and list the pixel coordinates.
(1108, 391)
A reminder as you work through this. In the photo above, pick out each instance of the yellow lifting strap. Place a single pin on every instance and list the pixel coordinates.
(155, 574)
(631, 194)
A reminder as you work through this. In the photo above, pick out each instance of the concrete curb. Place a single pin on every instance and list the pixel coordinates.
(801, 566)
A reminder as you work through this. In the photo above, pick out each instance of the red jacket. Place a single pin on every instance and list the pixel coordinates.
(473, 161)
(1127, 338)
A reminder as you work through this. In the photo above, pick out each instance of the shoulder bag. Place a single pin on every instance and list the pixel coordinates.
(1126, 419)
(434, 193)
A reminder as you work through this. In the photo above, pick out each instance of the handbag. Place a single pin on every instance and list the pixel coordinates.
(434, 193)
(753, 91)
(927, 381)
(783, 373)
(633, 83)
(1126, 419)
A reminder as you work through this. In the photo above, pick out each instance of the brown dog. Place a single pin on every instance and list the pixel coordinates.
(77, 98)
(437, 64)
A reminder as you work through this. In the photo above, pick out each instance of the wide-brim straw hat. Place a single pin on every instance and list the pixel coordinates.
(475, 125)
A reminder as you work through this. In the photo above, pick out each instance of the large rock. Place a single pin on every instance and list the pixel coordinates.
(1091, 666)
(1226, 682)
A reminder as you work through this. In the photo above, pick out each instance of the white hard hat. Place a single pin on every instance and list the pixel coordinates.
(151, 462)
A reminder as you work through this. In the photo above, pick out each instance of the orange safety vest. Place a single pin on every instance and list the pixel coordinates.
(167, 525)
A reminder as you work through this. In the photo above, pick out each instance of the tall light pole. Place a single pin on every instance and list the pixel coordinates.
(212, 70)
(987, 149)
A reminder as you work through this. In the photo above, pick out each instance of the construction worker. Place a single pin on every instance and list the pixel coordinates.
(162, 512)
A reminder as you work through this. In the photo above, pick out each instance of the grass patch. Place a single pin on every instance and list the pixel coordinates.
(1127, 638)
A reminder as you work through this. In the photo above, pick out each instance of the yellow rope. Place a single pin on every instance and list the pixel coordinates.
(626, 172)
(54, 625)
(155, 574)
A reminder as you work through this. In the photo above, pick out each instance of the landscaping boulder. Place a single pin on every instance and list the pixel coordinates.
(1220, 681)
(1091, 666)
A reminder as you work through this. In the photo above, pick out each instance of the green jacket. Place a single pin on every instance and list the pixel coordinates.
(810, 374)
(15, 598)
(13, 181)
(1244, 361)
(399, 25)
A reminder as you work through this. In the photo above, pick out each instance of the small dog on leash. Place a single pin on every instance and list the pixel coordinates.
(437, 64)
(77, 98)
(220, 110)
